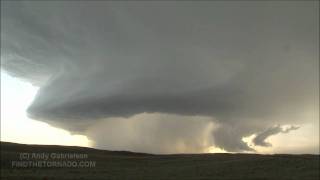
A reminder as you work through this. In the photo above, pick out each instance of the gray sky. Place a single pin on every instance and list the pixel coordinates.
(244, 66)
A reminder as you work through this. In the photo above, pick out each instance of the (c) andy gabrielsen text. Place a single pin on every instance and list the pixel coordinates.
(54, 160)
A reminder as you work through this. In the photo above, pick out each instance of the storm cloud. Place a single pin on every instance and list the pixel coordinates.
(154, 133)
(245, 65)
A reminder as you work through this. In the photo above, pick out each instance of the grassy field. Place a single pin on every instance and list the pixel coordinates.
(127, 165)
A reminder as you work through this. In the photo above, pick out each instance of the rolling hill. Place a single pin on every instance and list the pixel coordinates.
(20, 161)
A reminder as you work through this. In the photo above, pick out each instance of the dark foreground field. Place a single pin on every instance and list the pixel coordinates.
(127, 165)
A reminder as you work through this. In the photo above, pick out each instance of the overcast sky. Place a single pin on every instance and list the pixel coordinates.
(168, 77)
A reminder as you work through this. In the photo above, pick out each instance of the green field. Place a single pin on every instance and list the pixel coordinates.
(128, 165)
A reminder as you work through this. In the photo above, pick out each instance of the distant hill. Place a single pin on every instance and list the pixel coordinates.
(71, 162)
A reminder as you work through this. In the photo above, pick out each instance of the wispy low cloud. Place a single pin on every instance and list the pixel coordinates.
(260, 139)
